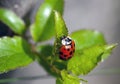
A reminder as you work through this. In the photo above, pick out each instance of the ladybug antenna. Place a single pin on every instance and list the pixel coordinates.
(63, 37)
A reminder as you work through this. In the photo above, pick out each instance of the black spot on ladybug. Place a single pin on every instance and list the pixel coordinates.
(68, 49)
(71, 53)
(61, 57)
(61, 53)
(74, 45)
(71, 46)
(65, 55)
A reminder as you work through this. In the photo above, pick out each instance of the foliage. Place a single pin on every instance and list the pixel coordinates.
(12, 20)
(91, 47)
(14, 52)
(44, 20)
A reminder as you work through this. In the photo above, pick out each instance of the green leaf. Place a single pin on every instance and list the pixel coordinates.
(83, 63)
(59, 81)
(12, 20)
(43, 28)
(14, 52)
(60, 30)
(45, 57)
(108, 51)
(45, 50)
(87, 38)
(60, 26)
(67, 79)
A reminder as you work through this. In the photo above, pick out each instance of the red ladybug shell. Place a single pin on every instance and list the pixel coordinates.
(67, 51)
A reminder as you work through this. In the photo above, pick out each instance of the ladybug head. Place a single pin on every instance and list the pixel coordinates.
(66, 41)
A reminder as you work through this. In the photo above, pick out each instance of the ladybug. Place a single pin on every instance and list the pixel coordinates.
(67, 48)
